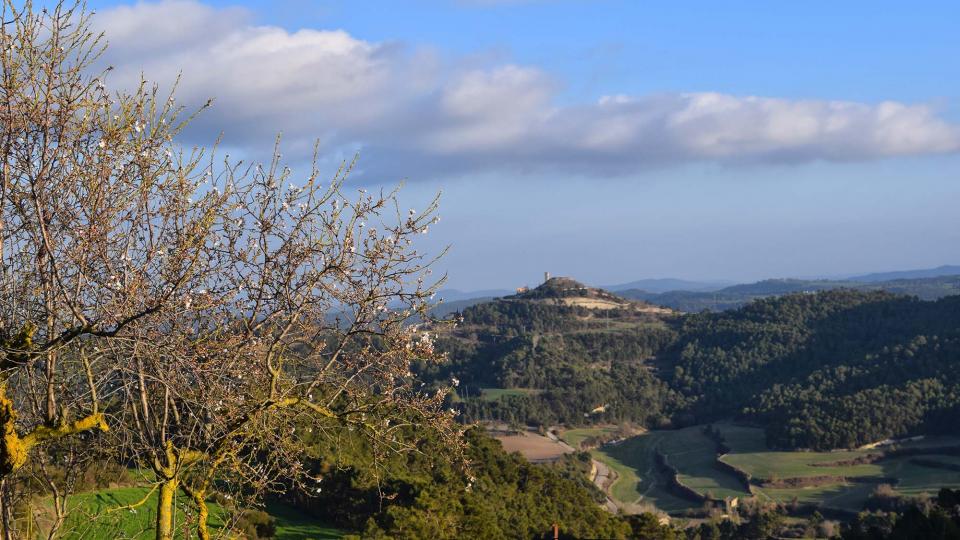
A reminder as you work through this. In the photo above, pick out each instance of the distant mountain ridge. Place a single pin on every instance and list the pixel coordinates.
(661, 285)
(738, 295)
(454, 295)
(718, 295)
(940, 271)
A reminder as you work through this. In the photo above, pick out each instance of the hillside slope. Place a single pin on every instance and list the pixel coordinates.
(831, 369)
(567, 353)
(834, 369)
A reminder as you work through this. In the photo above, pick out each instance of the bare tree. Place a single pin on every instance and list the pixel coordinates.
(300, 322)
(200, 311)
(90, 189)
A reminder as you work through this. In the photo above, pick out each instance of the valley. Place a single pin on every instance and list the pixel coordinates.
(775, 402)
(683, 471)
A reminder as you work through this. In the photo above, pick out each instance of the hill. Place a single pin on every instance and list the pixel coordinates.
(455, 306)
(560, 353)
(940, 271)
(455, 295)
(803, 375)
(423, 494)
(927, 288)
(836, 369)
(668, 284)
(717, 295)
(816, 369)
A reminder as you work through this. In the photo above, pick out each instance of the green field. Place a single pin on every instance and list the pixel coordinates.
(948, 461)
(295, 525)
(574, 437)
(748, 454)
(694, 455)
(834, 484)
(638, 482)
(93, 516)
(97, 514)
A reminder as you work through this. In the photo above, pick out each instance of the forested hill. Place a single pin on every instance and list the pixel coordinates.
(560, 353)
(821, 370)
(833, 369)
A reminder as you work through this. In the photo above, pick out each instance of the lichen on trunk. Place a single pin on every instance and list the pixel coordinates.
(15, 449)
(165, 509)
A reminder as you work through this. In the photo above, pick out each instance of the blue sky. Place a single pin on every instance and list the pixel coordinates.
(608, 140)
(853, 50)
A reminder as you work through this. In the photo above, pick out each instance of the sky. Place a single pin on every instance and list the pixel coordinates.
(601, 139)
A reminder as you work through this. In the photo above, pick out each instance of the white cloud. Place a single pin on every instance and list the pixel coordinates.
(410, 111)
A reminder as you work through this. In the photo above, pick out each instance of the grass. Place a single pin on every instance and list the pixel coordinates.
(843, 495)
(574, 437)
(918, 479)
(742, 439)
(693, 454)
(93, 515)
(949, 461)
(780, 465)
(688, 450)
(749, 454)
(912, 480)
(295, 525)
(637, 480)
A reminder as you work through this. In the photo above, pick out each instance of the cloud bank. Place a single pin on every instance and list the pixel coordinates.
(411, 112)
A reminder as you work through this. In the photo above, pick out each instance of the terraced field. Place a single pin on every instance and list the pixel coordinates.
(841, 480)
(838, 481)
(640, 481)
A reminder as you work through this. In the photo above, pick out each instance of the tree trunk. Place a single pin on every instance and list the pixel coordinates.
(165, 509)
(5, 511)
(202, 515)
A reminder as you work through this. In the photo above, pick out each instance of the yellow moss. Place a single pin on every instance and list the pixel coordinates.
(13, 451)
(165, 510)
(20, 345)
(88, 423)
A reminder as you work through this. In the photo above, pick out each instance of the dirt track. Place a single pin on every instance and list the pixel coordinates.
(603, 477)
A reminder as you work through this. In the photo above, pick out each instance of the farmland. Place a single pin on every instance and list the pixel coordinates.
(575, 437)
(536, 448)
(640, 482)
(841, 480)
